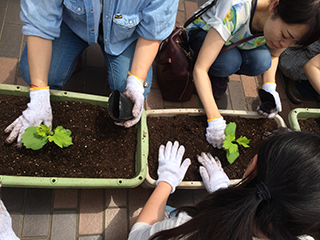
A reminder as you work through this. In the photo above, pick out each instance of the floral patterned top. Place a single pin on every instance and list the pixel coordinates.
(232, 19)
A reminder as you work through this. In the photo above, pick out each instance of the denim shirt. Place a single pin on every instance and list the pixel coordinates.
(123, 20)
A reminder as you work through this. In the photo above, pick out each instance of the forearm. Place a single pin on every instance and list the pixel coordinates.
(312, 71)
(204, 90)
(39, 57)
(144, 55)
(154, 209)
(270, 74)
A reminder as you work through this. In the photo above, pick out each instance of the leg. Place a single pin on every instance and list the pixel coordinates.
(119, 66)
(65, 53)
(255, 61)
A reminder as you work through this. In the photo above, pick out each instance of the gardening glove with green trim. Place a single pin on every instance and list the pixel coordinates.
(134, 91)
(271, 88)
(215, 132)
(170, 169)
(38, 111)
(212, 173)
(6, 232)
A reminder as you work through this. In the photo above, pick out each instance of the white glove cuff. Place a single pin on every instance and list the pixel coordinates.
(42, 95)
(135, 83)
(217, 123)
(269, 87)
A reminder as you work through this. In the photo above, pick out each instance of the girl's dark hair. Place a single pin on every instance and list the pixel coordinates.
(288, 165)
(301, 12)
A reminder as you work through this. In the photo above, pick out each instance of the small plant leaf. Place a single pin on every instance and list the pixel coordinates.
(227, 143)
(61, 137)
(230, 129)
(233, 148)
(43, 130)
(231, 157)
(31, 139)
(244, 141)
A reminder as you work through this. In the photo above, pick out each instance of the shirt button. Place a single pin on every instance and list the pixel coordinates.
(107, 16)
(91, 10)
(79, 9)
(105, 39)
(130, 21)
(92, 30)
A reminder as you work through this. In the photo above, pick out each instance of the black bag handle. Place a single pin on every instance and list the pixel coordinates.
(199, 13)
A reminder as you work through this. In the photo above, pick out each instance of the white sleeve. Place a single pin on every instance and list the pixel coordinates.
(144, 231)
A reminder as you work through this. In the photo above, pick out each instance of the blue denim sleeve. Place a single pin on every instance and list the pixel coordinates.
(41, 18)
(158, 19)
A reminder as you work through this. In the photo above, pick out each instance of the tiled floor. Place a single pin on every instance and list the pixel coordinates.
(92, 214)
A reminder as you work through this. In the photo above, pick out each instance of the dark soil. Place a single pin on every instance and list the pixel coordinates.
(310, 125)
(190, 132)
(100, 148)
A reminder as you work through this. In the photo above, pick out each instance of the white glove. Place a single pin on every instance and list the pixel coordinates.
(38, 111)
(215, 134)
(6, 232)
(212, 173)
(271, 88)
(134, 91)
(170, 169)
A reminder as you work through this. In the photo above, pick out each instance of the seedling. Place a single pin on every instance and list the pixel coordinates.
(36, 137)
(230, 142)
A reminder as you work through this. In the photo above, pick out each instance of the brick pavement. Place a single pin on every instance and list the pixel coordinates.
(99, 214)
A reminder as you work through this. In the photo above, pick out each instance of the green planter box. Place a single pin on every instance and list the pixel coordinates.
(61, 182)
(151, 183)
(299, 114)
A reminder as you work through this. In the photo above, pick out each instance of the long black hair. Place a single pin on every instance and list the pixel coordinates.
(301, 12)
(288, 166)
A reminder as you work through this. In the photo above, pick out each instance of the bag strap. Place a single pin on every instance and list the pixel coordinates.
(239, 42)
(199, 13)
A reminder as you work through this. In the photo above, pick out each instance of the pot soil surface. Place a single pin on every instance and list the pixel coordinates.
(310, 125)
(100, 148)
(190, 132)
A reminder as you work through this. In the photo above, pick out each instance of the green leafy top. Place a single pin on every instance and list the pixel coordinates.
(36, 137)
(230, 146)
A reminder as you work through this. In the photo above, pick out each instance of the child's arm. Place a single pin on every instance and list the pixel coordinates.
(312, 71)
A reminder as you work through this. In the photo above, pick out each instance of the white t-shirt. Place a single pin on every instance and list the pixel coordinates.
(143, 231)
(231, 18)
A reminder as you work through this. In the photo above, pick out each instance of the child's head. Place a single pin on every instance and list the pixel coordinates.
(292, 22)
(280, 199)
(288, 164)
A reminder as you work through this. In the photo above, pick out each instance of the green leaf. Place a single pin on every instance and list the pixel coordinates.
(233, 148)
(43, 130)
(231, 157)
(31, 139)
(227, 143)
(61, 137)
(244, 141)
(230, 129)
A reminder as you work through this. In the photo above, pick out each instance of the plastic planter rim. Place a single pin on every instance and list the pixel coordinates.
(149, 182)
(63, 182)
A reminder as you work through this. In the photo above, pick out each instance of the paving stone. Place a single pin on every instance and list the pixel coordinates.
(8, 67)
(16, 222)
(91, 212)
(191, 7)
(154, 100)
(2, 15)
(65, 198)
(252, 103)
(13, 198)
(10, 43)
(96, 82)
(13, 12)
(64, 225)
(95, 237)
(37, 212)
(181, 197)
(116, 224)
(3, 3)
(95, 56)
(249, 86)
(238, 100)
(116, 197)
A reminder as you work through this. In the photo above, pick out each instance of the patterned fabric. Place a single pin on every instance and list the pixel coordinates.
(292, 61)
(231, 18)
